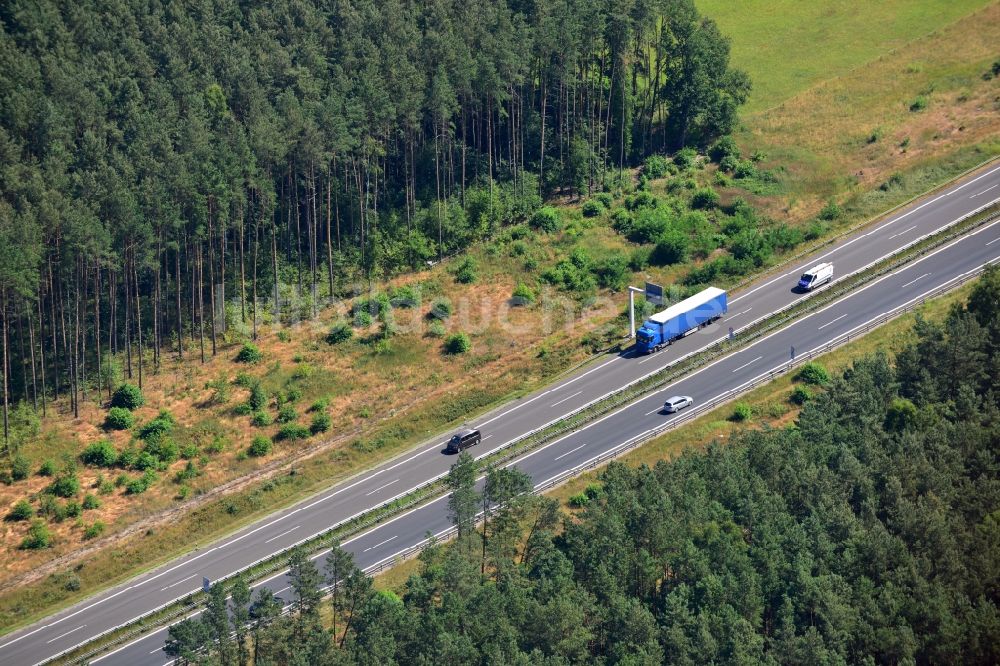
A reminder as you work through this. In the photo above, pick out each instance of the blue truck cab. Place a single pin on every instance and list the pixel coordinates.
(680, 319)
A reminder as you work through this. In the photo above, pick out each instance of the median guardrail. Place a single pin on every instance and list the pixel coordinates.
(515, 448)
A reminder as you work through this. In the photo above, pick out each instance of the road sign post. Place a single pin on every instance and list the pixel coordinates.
(632, 291)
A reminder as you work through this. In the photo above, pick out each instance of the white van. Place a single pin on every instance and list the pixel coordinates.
(815, 276)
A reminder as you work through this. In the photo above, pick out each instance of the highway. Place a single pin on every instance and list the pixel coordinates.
(80, 623)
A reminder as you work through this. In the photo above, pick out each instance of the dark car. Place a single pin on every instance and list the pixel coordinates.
(463, 440)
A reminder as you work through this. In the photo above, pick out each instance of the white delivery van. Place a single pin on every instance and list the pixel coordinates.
(815, 276)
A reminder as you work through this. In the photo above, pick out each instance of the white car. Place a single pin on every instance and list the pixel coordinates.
(677, 403)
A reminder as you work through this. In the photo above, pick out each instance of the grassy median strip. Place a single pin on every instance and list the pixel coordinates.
(574, 421)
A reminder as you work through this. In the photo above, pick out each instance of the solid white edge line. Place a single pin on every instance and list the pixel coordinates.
(956, 189)
(631, 439)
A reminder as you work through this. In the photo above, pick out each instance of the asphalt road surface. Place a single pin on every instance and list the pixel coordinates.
(179, 578)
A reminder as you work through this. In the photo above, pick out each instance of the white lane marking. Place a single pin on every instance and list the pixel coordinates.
(442, 532)
(832, 321)
(381, 543)
(860, 236)
(565, 399)
(159, 649)
(381, 487)
(570, 451)
(66, 634)
(518, 406)
(984, 191)
(902, 232)
(780, 277)
(581, 376)
(993, 241)
(593, 423)
(658, 409)
(536, 451)
(278, 536)
(487, 437)
(740, 314)
(748, 363)
(913, 280)
(178, 582)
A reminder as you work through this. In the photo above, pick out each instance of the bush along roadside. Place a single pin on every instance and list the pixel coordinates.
(435, 489)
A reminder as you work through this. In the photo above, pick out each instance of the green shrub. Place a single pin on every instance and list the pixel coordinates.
(605, 199)
(73, 509)
(579, 501)
(146, 460)
(641, 200)
(258, 398)
(163, 448)
(404, 297)
(287, 414)
(94, 530)
(65, 485)
(261, 419)
(339, 333)
(249, 353)
(22, 510)
(242, 409)
(141, 484)
(303, 371)
(127, 396)
(90, 502)
(20, 468)
(244, 380)
(546, 219)
(655, 167)
(745, 169)
(467, 271)
(919, 104)
(292, 431)
(221, 391)
(705, 198)
(183, 492)
(522, 295)
(321, 423)
(813, 373)
(259, 447)
(119, 418)
(594, 491)
(158, 428)
(800, 396)
(362, 319)
(673, 247)
(189, 472)
(441, 309)
(457, 343)
(189, 451)
(106, 487)
(38, 536)
(815, 230)
(638, 260)
(100, 454)
(831, 211)
(741, 412)
(435, 329)
(319, 405)
(591, 208)
(723, 148)
(685, 157)
(218, 445)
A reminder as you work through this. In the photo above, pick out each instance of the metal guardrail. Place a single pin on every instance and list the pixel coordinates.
(729, 395)
(609, 402)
